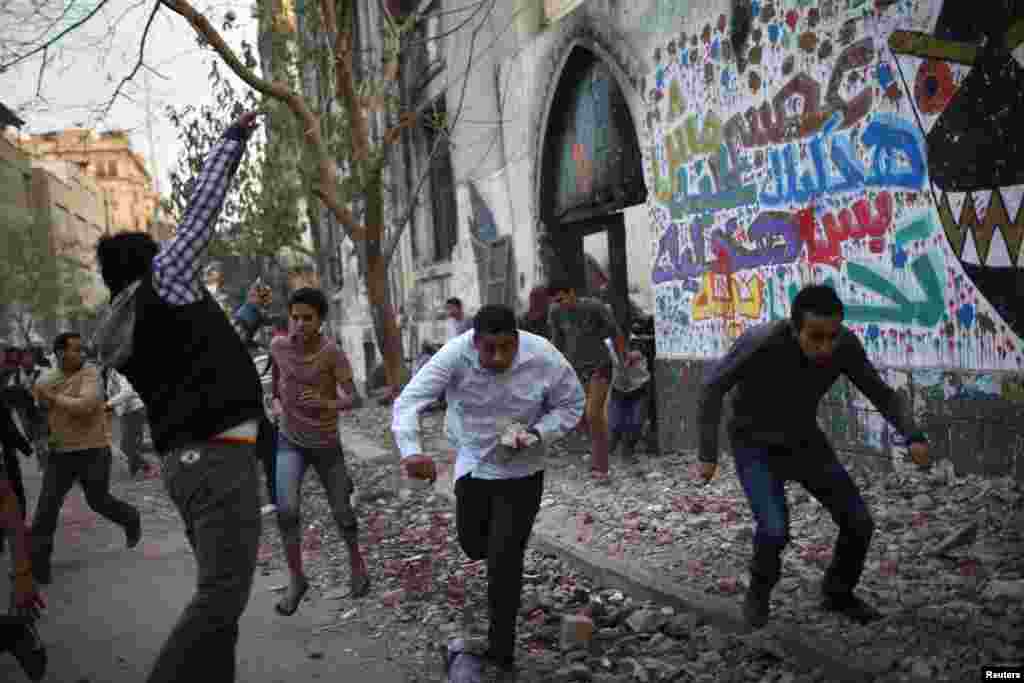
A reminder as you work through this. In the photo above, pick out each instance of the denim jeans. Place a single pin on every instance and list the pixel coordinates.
(763, 472)
(216, 489)
(494, 519)
(329, 463)
(627, 413)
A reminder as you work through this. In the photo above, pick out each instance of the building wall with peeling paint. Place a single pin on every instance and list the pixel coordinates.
(871, 145)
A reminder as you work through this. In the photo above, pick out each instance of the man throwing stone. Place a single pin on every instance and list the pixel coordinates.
(509, 394)
(781, 371)
(202, 394)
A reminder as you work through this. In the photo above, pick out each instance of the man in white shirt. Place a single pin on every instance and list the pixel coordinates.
(510, 393)
(456, 322)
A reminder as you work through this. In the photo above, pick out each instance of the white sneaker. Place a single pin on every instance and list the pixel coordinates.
(268, 509)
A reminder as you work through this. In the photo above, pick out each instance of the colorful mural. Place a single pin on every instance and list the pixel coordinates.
(871, 145)
(594, 140)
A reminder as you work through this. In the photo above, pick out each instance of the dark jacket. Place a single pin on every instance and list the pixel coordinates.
(778, 390)
(191, 369)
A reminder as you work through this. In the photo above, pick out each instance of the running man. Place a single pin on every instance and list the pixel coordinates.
(81, 451)
(781, 371)
(510, 393)
(579, 327)
(307, 372)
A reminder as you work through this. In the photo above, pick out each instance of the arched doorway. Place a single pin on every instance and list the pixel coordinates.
(591, 170)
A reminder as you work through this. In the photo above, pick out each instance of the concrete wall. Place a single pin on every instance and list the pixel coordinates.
(511, 84)
(874, 146)
(870, 145)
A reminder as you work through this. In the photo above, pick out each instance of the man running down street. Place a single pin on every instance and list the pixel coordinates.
(308, 370)
(510, 393)
(81, 451)
(781, 371)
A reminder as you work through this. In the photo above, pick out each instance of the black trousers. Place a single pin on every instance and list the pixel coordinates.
(494, 519)
(12, 630)
(12, 468)
(91, 469)
(266, 450)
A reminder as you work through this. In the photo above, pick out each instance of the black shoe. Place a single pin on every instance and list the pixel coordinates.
(503, 663)
(30, 653)
(133, 531)
(851, 607)
(756, 606)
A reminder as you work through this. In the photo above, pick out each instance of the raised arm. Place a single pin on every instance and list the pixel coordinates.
(864, 375)
(176, 267)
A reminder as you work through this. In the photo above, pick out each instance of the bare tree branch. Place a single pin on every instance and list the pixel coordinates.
(345, 81)
(39, 79)
(138, 63)
(55, 39)
(326, 188)
(156, 73)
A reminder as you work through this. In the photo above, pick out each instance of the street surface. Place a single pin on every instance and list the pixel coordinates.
(110, 610)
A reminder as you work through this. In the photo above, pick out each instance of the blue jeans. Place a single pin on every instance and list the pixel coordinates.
(763, 472)
(329, 464)
(627, 413)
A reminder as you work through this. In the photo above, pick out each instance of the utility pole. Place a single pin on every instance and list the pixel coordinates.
(152, 144)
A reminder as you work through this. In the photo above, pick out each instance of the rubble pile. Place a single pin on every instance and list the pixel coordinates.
(946, 563)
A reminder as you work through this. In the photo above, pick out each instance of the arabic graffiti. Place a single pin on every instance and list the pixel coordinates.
(896, 149)
(811, 160)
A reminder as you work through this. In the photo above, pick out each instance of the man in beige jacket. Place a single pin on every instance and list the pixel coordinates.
(80, 451)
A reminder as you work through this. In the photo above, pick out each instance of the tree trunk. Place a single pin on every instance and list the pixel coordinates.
(385, 323)
(25, 327)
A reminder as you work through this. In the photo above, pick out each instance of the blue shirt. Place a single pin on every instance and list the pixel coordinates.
(540, 390)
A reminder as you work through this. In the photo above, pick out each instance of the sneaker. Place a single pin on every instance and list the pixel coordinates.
(30, 653)
(852, 607)
(268, 509)
(756, 607)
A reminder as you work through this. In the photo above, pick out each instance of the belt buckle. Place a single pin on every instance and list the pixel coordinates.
(189, 457)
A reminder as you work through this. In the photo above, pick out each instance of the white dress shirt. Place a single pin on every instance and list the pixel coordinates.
(540, 390)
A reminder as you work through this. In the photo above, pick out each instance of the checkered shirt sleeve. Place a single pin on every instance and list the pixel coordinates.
(176, 267)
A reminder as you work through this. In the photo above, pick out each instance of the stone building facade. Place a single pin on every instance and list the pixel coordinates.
(724, 152)
(73, 205)
(69, 203)
(116, 168)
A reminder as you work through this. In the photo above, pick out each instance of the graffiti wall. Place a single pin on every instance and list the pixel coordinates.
(873, 145)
